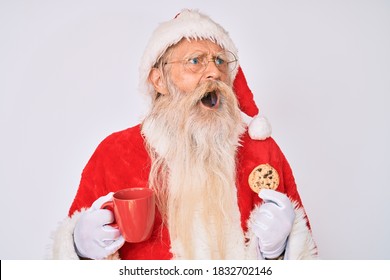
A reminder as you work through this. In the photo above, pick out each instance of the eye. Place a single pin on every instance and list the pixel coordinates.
(219, 60)
(194, 60)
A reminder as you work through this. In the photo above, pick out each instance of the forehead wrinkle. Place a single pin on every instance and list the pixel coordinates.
(199, 46)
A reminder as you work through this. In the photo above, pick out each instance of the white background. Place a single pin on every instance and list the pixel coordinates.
(320, 71)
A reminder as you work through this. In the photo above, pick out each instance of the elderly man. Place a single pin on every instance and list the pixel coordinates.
(224, 189)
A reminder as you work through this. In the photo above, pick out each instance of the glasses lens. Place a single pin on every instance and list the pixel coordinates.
(196, 63)
(225, 61)
(230, 61)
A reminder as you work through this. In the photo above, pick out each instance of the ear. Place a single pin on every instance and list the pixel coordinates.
(157, 80)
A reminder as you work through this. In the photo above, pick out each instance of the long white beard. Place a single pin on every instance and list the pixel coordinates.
(193, 152)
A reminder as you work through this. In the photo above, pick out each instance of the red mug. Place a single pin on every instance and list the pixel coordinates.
(134, 211)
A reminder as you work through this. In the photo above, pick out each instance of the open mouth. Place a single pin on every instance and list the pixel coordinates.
(210, 99)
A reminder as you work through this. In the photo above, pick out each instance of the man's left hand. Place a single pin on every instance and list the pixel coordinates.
(273, 223)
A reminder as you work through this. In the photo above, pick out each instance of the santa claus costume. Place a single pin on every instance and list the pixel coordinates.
(122, 161)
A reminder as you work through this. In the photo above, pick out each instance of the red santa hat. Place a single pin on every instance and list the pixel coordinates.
(193, 25)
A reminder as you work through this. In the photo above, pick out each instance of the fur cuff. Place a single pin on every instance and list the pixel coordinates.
(300, 244)
(62, 247)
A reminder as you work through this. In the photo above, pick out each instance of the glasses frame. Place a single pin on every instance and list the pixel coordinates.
(206, 62)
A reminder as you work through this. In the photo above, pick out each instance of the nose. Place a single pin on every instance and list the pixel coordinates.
(212, 72)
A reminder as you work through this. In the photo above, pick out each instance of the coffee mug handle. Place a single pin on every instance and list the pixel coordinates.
(109, 205)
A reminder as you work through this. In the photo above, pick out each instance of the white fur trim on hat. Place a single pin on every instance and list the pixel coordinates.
(189, 24)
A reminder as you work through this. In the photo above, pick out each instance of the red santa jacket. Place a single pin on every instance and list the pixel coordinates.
(121, 161)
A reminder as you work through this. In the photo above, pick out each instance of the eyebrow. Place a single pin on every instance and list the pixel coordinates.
(202, 53)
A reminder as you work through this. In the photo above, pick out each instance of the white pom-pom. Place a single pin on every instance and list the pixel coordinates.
(259, 128)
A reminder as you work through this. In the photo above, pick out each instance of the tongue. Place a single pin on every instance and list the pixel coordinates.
(210, 99)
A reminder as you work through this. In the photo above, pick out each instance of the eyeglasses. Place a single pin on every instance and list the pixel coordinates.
(197, 63)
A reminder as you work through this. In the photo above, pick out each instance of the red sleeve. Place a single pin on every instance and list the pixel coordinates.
(120, 161)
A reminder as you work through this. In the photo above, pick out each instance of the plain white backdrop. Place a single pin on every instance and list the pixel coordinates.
(320, 71)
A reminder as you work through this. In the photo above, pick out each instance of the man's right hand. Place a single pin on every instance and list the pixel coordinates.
(93, 237)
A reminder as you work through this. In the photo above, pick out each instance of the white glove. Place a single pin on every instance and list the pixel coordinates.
(93, 237)
(273, 223)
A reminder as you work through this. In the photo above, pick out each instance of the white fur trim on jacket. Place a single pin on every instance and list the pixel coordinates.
(300, 243)
(189, 24)
(62, 247)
